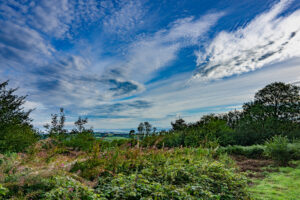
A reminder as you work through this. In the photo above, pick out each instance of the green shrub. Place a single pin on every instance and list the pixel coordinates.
(194, 135)
(119, 142)
(254, 151)
(277, 149)
(48, 188)
(185, 179)
(17, 138)
(81, 141)
(185, 173)
(294, 150)
(3, 191)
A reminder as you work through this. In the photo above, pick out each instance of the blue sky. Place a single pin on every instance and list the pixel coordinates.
(122, 62)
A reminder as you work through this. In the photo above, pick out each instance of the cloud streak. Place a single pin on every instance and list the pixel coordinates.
(151, 53)
(270, 37)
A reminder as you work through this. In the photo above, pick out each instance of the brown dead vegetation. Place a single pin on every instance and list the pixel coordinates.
(254, 168)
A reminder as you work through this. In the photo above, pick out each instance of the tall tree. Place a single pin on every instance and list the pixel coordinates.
(154, 130)
(79, 124)
(57, 124)
(141, 128)
(274, 111)
(16, 132)
(148, 127)
(11, 110)
(131, 133)
(179, 124)
(282, 101)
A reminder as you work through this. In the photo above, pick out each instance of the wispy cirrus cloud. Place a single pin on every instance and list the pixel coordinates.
(29, 25)
(271, 37)
(22, 45)
(153, 52)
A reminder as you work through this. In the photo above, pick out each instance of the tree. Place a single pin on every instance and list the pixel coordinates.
(131, 133)
(154, 130)
(232, 118)
(79, 124)
(282, 101)
(11, 110)
(148, 127)
(57, 124)
(178, 125)
(141, 128)
(274, 111)
(16, 132)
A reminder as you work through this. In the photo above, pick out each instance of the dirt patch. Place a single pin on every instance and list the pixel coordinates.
(253, 167)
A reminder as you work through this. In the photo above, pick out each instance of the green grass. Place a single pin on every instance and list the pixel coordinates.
(282, 185)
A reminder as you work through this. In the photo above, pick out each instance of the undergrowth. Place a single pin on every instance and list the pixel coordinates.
(120, 173)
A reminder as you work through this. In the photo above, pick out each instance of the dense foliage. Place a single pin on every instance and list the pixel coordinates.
(121, 173)
(274, 111)
(254, 151)
(277, 148)
(16, 133)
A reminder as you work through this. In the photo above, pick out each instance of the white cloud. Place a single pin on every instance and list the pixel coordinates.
(22, 44)
(52, 17)
(269, 38)
(151, 53)
(124, 18)
(33, 105)
(55, 18)
(175, 98)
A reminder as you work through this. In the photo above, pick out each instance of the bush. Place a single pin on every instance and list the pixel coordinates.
(17, 138)
(254, 151)
(277, 149)
(194, 135)
(81, 141)
(162, 174)
(48, 188)
(3, 191)
(294, 150)
(182, 177)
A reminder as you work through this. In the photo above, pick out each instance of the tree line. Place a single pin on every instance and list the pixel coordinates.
(275, 110)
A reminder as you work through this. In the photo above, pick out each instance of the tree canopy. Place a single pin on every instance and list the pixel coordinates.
(16, 132)
(11, 110)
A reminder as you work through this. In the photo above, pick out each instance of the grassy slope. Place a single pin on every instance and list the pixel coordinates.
(282, 185)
